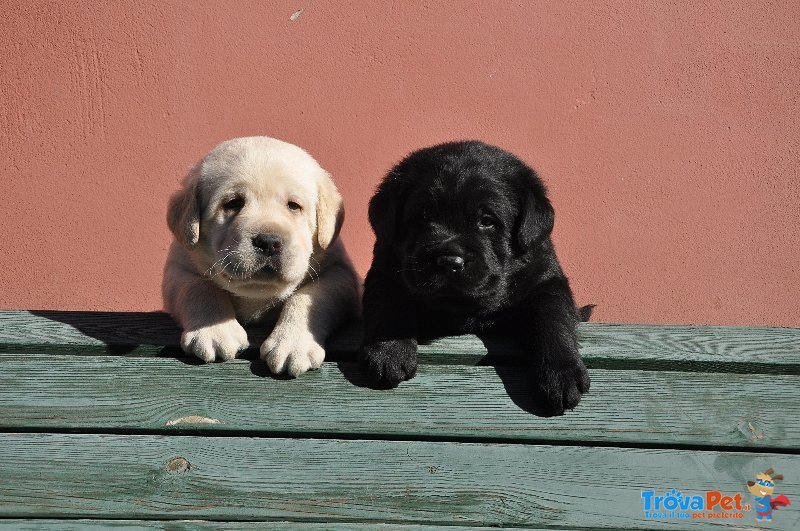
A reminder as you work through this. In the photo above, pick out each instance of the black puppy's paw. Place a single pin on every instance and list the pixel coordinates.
(390, 362)
(560, 387)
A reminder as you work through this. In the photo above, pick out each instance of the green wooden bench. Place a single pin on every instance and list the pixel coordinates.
(105, 423)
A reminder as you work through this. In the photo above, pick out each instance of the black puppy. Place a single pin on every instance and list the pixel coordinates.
(463, 246)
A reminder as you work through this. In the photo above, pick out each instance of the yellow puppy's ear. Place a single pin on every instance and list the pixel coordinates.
(183, 212)
(330, 211)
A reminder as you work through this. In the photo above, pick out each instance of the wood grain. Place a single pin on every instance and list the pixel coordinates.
(435, 483)
(146, 437)
(649, 347)
(45, 392)
(82, 524)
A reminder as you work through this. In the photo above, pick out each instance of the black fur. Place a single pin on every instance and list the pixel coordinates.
(489, 214)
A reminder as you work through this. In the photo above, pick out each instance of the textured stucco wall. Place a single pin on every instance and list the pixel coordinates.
(667, 132)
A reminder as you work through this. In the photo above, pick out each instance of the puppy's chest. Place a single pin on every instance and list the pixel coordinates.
(437, 323)
(254, 311)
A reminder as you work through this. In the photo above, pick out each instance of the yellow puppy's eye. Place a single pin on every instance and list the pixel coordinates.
(234, 204)
(293, 206)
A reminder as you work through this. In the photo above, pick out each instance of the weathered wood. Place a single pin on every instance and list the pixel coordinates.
(692, 348)
(81, 524)
(123, 477)
(435, 451)
(45, 392)
(652, 347)
(121, 333)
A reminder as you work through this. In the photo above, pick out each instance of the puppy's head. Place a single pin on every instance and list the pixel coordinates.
(253, 212)
(459, 220)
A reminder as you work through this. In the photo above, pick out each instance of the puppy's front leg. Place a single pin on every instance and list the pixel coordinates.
(309, 315)
(205, 313)
(390, 331)
(548, 326)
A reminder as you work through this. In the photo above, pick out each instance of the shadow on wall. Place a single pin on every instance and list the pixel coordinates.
(156, 334)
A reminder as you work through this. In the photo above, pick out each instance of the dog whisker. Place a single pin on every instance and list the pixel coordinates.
(314, 269)
(315, 273)
(210, 270)
(223, 263)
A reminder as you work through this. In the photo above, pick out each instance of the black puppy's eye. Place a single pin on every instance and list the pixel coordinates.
(234, 204)
(293, 206)
(486, 222)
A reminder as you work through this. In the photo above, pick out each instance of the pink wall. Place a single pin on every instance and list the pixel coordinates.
(667, 131)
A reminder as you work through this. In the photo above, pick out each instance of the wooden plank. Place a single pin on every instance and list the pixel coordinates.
(121, 333)
(692, 347)
(433, 483)
(81, 524)
(43, 392)
(660, 347)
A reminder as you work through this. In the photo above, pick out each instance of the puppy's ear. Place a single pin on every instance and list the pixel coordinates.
(385, 207)
(535, 222)
(183, 212)
(330, 212)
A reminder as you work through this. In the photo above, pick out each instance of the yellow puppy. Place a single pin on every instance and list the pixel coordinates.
(256, 228)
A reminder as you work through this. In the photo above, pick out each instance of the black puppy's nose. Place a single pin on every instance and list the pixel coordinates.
(450, 263)
(269, 244)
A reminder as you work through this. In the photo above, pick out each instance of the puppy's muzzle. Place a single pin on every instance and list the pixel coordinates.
(450, 264)
(268, 244)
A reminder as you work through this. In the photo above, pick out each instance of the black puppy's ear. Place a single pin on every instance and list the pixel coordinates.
(385, 208)
(536, 218)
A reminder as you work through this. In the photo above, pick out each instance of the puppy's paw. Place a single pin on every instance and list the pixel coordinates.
(390, 362)
(221, 341)
(560, 387)
(291, 352)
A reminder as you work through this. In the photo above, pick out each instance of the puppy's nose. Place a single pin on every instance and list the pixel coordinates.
(269, 244)
(450, 263)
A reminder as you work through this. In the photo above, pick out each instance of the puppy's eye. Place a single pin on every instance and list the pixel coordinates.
(486, 222)
(234, 204)
(294, 206)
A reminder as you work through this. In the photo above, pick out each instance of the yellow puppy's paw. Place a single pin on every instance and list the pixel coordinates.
(292, 353)
(219, 342)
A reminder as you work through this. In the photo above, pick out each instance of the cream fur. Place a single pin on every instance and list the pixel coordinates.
(215, 279)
